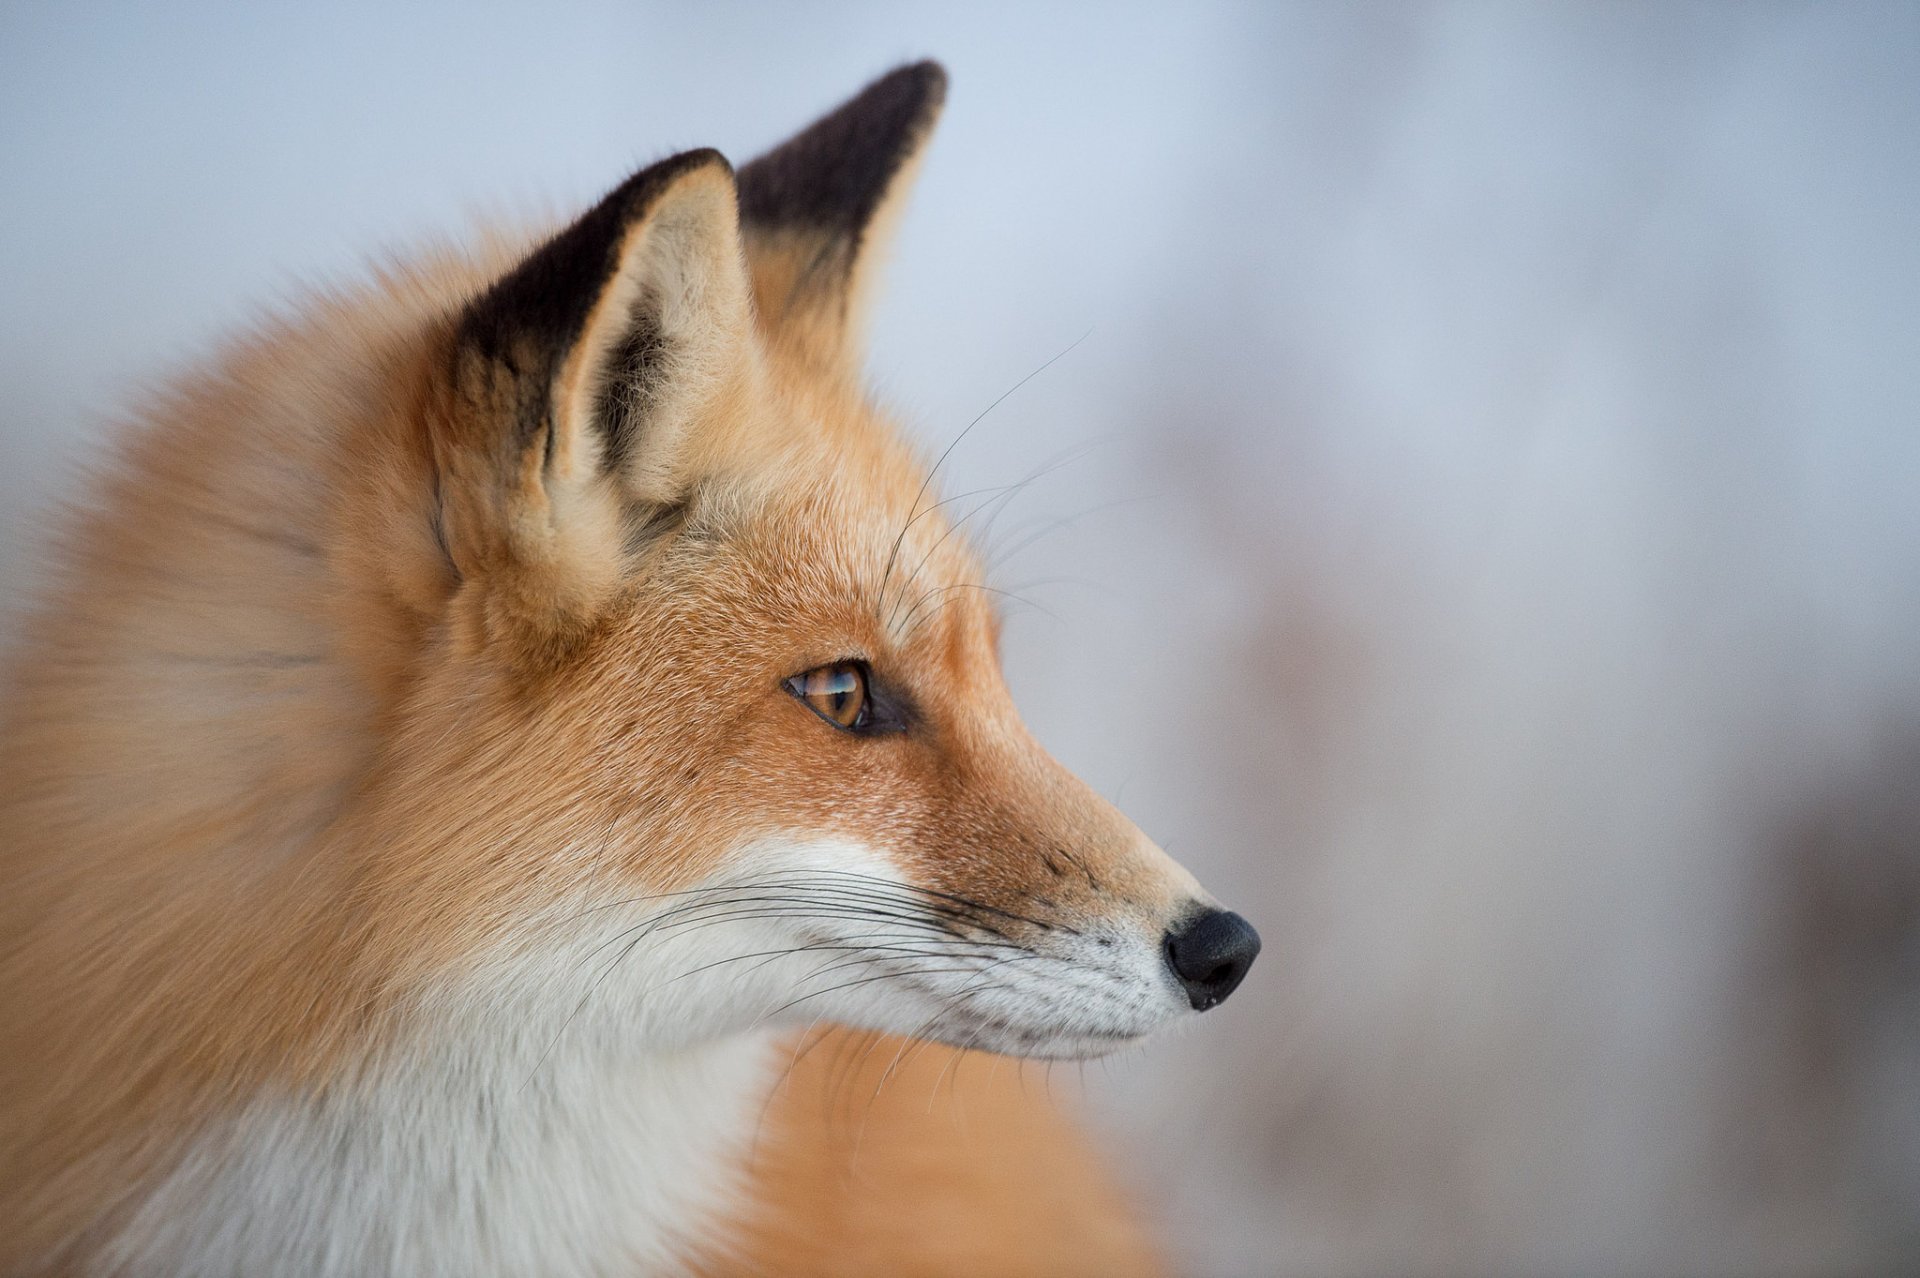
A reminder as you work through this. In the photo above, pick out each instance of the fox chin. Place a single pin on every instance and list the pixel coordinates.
(512, 775)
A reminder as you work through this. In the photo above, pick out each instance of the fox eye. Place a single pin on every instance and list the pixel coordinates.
(843, 695)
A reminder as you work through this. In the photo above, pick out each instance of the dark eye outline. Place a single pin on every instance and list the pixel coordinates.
(880, 713)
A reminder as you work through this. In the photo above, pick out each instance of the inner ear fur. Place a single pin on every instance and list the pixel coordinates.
(578, 379)
(817, 211)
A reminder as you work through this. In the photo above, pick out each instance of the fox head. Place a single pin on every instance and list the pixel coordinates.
(539, 665)
(706, 729)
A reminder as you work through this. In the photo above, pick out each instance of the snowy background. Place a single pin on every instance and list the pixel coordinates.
(1487, 549)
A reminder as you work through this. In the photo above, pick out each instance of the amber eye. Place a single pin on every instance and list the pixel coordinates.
(837, 693)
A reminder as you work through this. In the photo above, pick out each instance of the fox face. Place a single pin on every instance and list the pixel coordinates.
(717, 712)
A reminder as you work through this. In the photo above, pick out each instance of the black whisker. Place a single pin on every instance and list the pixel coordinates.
(1003, 497)
(948, 452)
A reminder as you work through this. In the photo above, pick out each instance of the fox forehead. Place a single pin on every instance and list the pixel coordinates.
(845, 535)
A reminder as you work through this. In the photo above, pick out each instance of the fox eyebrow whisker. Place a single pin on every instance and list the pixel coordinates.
(943, 592)
(1030, 534)
(996, 503)
(933, 471)
(999, 496)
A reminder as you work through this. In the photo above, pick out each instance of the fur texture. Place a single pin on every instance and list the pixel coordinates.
(414, 862)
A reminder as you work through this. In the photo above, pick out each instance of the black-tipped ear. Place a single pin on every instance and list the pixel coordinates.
(618, 320)
(813, 209)
(578, 379)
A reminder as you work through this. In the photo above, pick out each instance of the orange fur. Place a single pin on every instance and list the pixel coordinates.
(349, 685)
(882, 1156)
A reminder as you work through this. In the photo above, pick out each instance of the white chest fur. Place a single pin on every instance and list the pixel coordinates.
(574, 1101)
(586, 1165)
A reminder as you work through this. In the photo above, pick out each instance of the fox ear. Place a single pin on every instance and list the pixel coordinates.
(815, 211)
(578, 380)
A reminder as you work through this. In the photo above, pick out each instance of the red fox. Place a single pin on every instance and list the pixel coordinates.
(481, 730)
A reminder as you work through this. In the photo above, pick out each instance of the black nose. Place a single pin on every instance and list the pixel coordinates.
(1210, 953)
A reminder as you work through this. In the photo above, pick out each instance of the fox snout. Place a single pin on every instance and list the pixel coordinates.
(1090, 935)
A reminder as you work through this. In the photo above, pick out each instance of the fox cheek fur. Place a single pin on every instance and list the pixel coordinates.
(415, 838)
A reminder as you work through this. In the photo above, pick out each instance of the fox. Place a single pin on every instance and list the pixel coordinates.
(510, 773)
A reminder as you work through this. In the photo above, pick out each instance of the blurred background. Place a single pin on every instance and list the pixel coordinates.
(1482, 537)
